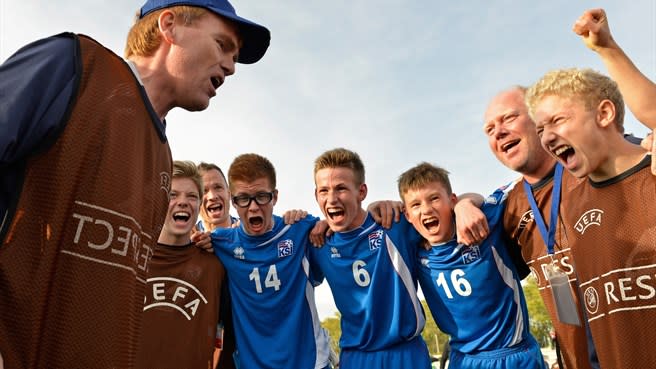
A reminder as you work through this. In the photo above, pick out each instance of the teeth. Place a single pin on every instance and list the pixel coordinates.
(508, 145)
(181, 214)
(428, 221)
(561, 150)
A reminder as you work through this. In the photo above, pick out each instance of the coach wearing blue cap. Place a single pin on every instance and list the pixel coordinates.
(85, 174)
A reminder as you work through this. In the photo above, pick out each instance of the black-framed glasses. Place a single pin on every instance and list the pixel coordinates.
(261, 198)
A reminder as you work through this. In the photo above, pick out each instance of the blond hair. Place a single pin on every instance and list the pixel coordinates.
(586, 85)
(144, 36)
(341, 158)
(187, 169)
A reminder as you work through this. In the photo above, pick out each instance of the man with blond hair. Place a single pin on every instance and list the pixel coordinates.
(579, 117)
(85, 172)
(536, 232)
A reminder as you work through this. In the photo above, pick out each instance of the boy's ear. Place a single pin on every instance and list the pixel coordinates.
(405, 213)
(454, 200)
(362, 193)
(606, 113)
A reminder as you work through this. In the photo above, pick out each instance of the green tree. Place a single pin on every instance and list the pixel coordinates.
(332, 325)
(538, 315)
(433, 336)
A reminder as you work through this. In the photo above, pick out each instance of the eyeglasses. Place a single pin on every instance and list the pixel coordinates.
(261, 198)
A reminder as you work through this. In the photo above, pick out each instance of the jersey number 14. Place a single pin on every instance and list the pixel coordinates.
(271, 280)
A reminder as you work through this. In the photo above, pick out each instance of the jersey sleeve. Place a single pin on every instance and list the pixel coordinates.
(37, 84)
(412, 242)
(494, 209)
(222, 239)
(316, 274)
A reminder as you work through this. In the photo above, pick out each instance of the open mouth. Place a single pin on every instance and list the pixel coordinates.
(181, 216)
(215, 82)
(256, 221)
(509, 145)
(215, 208)
(564, 153)
(431, 224)
(334, 213)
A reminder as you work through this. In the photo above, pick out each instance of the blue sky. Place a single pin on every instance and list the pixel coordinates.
(397, 81)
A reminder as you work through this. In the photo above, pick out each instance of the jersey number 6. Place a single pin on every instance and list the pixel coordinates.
(360, 273)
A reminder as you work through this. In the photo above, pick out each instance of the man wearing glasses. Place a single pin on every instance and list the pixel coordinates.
(274, 313)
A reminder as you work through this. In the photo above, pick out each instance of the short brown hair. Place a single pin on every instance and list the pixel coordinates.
(187, 169)
(250, 167)
(422, 174)
(341, 158)
(587, 85)
(204, 167)
(144, 37)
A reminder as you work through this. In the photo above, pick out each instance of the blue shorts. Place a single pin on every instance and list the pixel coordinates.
(526, 355)
(412, 354)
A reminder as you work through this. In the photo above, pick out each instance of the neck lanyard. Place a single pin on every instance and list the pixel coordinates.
(548, 235)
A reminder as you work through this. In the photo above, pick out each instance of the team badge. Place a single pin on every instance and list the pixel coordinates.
(165, 182)
(525, 219)
(375, 239)
(590, 217)
(239, 252)
(470, 254)
(424, 262)
(334, 253)
(491, 200)
(591, 300)
(175, 294)
(285, 248)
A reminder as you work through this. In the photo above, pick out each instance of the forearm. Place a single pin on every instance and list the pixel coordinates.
(639, 92)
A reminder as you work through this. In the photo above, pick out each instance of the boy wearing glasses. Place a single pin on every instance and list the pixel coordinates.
(275, 317)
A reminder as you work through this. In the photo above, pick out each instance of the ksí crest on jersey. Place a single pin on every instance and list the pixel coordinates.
(470, 254)
(285, 248)
(375, 239)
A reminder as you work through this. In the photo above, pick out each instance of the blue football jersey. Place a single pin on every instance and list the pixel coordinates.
(273, 308)
(474, 292)
(370, 271)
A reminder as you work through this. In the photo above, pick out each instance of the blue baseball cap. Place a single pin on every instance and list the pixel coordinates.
(255, 38)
